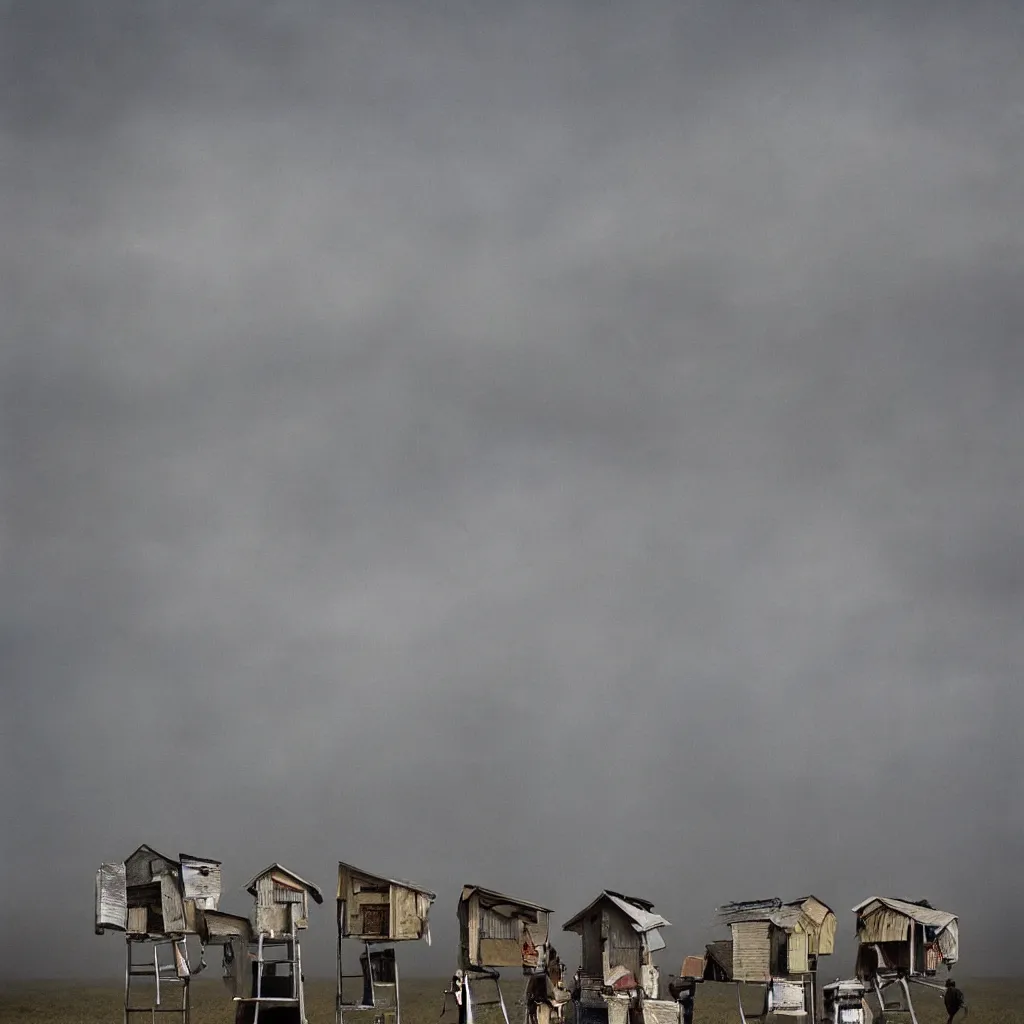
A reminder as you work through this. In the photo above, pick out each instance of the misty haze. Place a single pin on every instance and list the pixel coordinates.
(558, 447)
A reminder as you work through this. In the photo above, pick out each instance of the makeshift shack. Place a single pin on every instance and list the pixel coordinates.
(374, 909)
(156, 901)
(281, 901)
(777, 945)
(899, 935)
(620, 934)
(901, 941)
(153, 890)
(495, 930)
(617, 974)
(280, 913)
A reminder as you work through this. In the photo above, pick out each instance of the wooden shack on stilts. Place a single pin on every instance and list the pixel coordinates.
(280, 914)
(774, 946)
(377, 912)
(157, 901)
(618, 980)
(495, 930)
(899, 942)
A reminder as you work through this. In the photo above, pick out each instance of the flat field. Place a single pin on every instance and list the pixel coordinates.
(992, 1001)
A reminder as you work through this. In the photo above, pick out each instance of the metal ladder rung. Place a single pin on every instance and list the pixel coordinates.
(265, 999)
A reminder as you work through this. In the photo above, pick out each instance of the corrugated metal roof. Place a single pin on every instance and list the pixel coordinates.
(250, 886)
(774, 911)
(922, 915)
(494, 896)
(748, 910)
(637, 910)
(352, 869)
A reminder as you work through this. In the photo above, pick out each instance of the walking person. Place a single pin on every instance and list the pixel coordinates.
(955, 1001)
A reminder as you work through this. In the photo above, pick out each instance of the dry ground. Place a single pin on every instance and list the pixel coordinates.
(992, 1002)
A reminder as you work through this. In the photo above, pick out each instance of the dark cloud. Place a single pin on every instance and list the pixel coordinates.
(545, 446)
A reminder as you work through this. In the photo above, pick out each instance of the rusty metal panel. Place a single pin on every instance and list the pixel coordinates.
(693, 967)
(111, 898)
(751, 951)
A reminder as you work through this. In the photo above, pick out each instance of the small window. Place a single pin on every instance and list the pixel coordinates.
(375, 919)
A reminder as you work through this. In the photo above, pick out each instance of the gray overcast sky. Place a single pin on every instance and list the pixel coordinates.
(557, 446)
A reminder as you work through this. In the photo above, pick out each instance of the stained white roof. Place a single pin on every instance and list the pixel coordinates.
(922, 915)
(643, 920)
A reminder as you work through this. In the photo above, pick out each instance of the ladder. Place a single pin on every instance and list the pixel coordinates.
(461, 990)
(173, 970)
(293, 960)
(377, 993)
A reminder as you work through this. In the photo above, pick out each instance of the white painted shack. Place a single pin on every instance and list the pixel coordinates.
(902, 936)
(281, 901)
(496, 930)
(374, 908)
(620, 933)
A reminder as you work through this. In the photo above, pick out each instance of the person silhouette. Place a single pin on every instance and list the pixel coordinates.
(955, 1001)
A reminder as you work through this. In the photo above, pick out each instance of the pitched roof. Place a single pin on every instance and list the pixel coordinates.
(721, 953)
(637, 910)
(156, 854)
(915, 911)
(250, 886)
(804, 900)
(353, 870)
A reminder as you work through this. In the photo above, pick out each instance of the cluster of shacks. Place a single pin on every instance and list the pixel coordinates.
(158, 902)
(773, 949)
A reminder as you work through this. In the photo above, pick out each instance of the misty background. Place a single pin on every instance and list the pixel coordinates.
(552, 446)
